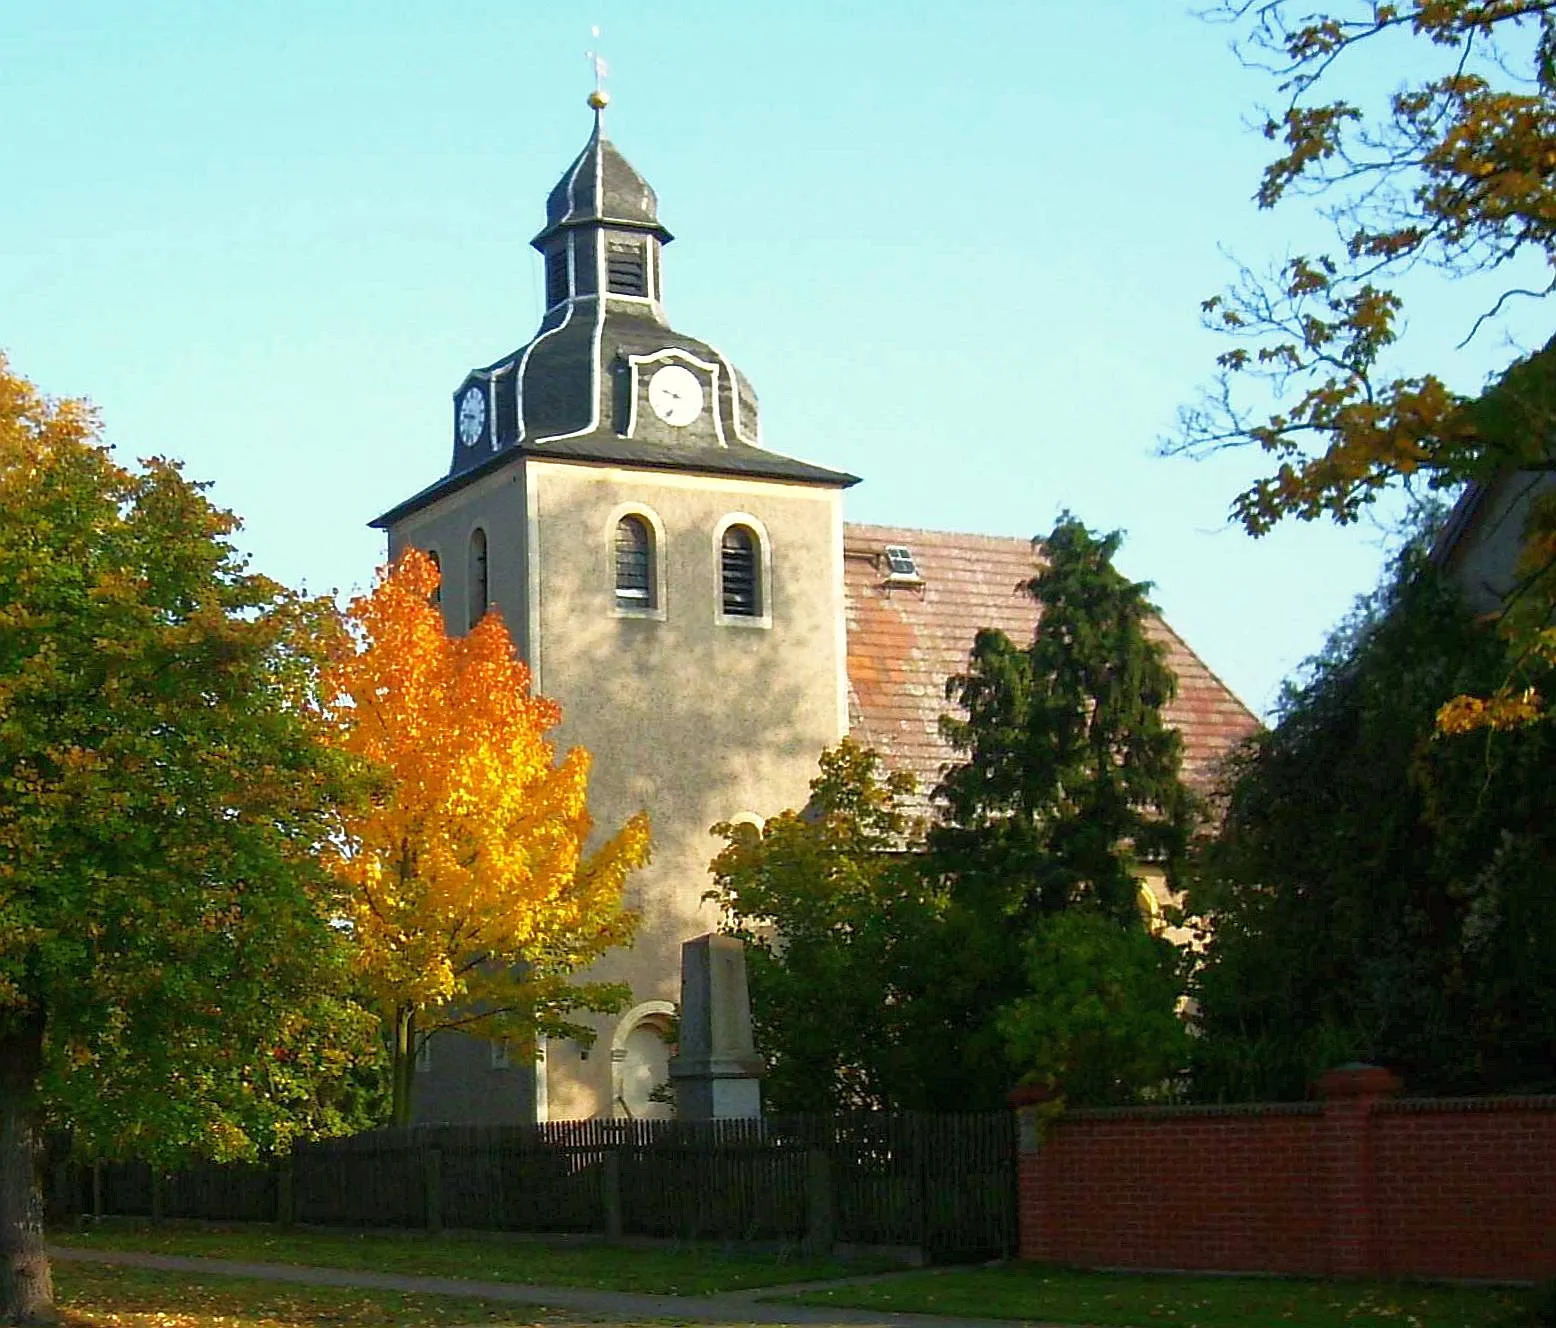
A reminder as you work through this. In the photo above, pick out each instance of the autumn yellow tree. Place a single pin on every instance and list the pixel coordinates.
(473, 899)
(1428, 129)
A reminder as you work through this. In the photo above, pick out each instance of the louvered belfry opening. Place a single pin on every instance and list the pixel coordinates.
(634, 564)
(626, 268)
(737, 573)
(556, 275)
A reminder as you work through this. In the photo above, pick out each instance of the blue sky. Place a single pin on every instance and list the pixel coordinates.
(958, 249)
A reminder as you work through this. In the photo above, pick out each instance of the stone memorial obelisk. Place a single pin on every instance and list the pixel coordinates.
(716, 1071)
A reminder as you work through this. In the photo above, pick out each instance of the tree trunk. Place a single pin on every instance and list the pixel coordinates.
(26, 1287)
(403, 1072)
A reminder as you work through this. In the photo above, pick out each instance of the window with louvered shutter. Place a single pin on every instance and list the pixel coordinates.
(437, 566)
(738, 573)
(634, 564)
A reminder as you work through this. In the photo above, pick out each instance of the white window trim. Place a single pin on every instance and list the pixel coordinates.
(424, 1054)
(764, 574)
(656, 560)
(500, 1058)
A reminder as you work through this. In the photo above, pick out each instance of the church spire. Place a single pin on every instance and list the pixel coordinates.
(602, 232)
(599, 99)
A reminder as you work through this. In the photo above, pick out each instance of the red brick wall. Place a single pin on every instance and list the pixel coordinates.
(1466, 1188)
(1359, 1185)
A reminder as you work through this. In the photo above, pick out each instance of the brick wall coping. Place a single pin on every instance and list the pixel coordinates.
(1510, 1102)
(1178, 1112)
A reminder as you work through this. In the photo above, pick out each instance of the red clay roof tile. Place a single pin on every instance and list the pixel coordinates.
(904, 641)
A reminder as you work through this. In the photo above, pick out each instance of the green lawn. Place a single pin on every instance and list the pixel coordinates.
(95, 1296)
(688, 1270)
(1021, 1291)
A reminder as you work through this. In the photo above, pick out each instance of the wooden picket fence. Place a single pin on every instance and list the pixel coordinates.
(943, 1184)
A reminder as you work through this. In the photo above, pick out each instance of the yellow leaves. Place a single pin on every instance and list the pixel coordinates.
(1453, 170)
(1504, 709)
(471, 859)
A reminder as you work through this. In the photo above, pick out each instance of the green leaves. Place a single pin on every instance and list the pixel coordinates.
(1099, 1017)
(1447, 167)
(841, 932)
(1376, 891)
(163, 796)
(891, 968)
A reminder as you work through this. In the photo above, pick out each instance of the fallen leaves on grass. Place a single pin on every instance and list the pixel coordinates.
(95, 1296)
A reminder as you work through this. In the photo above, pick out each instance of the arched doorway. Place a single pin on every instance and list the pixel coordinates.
(640, 1062)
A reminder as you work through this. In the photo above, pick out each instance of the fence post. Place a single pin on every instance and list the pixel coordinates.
(1349, 1094)
(432, 1180)
(610, 1194)
(820, 1228)
(97, 1187)
(286, 1199)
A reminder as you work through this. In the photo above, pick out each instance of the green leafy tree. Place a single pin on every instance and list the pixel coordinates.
(930, 978)
(169, 980)
(839, 928)
(1428, 127)
(1377, 890)
(1069, 787)
(1099, 1017)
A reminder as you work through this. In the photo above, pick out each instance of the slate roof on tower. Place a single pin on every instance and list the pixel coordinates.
(906, 639)
(577, 389)
(601, 186)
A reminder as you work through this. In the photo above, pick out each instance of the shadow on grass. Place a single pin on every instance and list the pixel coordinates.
(1126, 1300)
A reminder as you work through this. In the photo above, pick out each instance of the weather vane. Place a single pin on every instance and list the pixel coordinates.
(599, 98)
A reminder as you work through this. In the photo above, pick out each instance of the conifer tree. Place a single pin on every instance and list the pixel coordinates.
(1070, 784)
(1071, 777)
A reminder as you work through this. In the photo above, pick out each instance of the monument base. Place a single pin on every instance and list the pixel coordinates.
(717, 1099)
(717, 1073)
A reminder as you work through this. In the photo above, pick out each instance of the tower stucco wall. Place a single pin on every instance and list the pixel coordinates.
(496, 504)
(692, 719)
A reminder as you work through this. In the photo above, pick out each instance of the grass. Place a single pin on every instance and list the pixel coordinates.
(102, 1297)
(1019, 1291)
(95, 1296)
(691, 1270)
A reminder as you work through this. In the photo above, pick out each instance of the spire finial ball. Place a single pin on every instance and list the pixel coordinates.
(599, 99)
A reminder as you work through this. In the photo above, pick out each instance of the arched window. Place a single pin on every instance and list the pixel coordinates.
(635, 579)
(478, 576)
(437, 566)
(633, 542)
(740, 588)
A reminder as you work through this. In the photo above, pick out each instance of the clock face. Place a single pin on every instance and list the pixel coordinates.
(472, 415)
(675, 395)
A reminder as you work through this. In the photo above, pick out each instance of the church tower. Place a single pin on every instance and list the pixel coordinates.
(677, 587)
